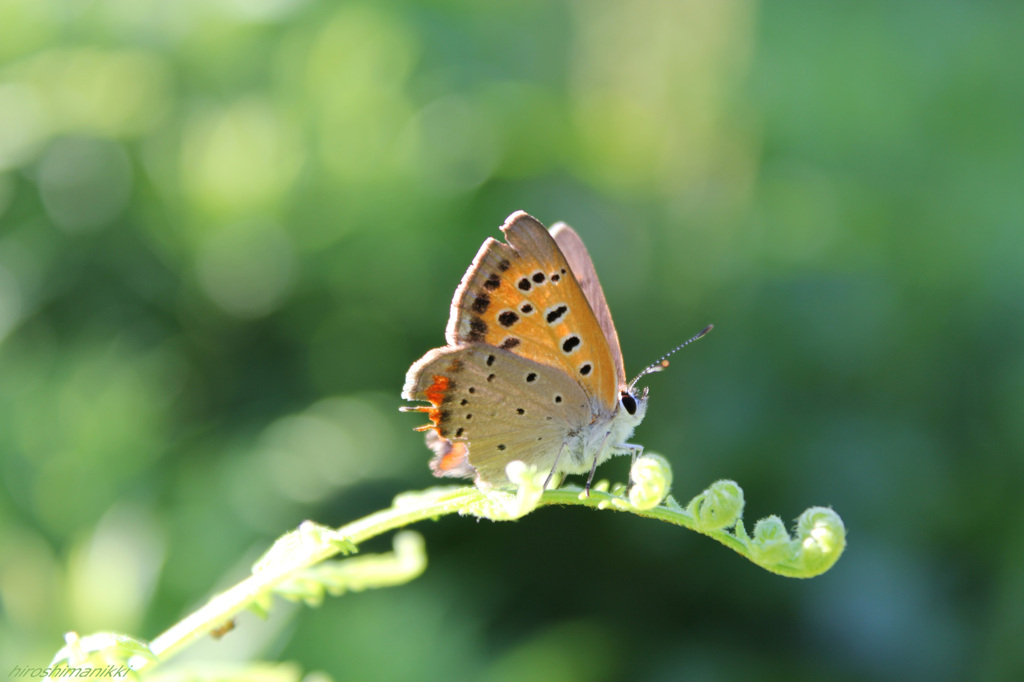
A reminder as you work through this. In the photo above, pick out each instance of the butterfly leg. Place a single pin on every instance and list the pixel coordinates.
(554, 467)
(593, 467)
(637, 451)
(590, 478)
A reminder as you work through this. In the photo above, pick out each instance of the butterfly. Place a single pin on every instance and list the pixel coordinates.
(532, 369)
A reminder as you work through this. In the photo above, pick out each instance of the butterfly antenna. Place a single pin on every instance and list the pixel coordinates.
(662, 363)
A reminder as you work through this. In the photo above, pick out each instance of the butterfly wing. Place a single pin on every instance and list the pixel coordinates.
(583, 267)
(500, 405)
(450, 458)
(524, 297)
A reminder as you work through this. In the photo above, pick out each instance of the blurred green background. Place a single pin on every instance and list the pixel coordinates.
(227, 227)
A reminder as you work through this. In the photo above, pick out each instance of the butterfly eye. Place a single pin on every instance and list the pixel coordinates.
(628, 402)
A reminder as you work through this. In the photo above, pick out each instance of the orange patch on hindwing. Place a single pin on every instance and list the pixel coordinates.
(436, 393)
(453, 458)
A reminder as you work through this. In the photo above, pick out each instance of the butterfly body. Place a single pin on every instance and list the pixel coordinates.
(606, 436)
(532, 370)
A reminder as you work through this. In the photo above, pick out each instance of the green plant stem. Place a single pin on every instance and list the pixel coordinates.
(228, 604)
(287, 568)
(599, 500)
(681, 517)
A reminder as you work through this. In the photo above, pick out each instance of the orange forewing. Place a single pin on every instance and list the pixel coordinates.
(524, 297)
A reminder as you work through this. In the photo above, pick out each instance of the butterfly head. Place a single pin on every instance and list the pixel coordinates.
(633, 404)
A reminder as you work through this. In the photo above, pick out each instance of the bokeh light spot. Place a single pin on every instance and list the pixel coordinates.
(355, 77)
(246, 269)
(241, 158)
(84, 183)
(454, 145)
(21, 124)
(115, 93)
(111, 573)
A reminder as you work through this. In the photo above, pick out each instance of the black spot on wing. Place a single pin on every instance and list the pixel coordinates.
(556, 313)
(477, 329)
(507, 319)
(481, 303)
